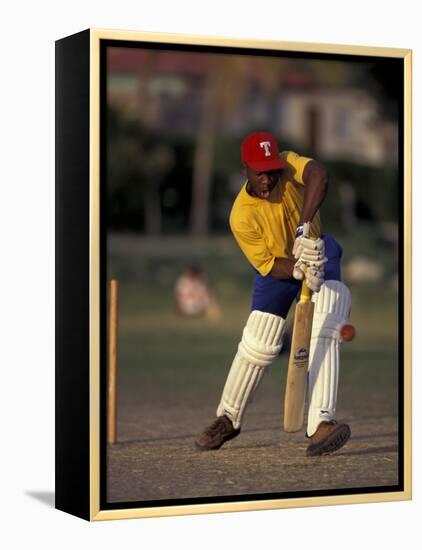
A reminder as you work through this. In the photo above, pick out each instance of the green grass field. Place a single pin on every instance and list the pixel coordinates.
(166, 356)
(171, 371)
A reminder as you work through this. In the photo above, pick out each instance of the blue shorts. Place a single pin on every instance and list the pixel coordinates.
(276, 295)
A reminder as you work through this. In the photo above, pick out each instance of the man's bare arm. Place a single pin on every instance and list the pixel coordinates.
(315, 178)
(282, 268)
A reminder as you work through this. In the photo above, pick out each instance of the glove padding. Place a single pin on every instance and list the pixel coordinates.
(310, 255)
(314, 274)
(309, 250)
(315, 278)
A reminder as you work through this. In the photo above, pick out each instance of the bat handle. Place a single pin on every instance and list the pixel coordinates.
(306, 292)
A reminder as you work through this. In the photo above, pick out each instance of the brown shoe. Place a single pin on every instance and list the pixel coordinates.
(328, 438)
(213, 437)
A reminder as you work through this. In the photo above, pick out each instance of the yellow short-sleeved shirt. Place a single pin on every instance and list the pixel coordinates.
(265, 229)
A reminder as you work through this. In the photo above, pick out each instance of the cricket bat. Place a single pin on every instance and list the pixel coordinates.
(297, 373)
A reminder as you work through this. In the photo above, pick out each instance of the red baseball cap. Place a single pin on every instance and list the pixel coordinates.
(260, 152)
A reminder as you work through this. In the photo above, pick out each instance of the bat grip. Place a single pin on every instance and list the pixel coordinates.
(306, 292)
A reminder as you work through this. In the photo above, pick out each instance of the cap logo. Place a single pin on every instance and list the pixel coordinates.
(266, 145)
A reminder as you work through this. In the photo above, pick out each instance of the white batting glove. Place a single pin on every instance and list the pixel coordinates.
(310, 255)
(299, 270)
(309, 250)
(315, 278)
(302, 231)
(313, 273)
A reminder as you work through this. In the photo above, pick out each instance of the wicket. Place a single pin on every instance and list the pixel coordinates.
(112, 363)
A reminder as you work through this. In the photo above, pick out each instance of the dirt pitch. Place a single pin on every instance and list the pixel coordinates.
(171, 371)
(164, 464)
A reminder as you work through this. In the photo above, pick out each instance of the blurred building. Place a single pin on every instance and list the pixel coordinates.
(165, 91)
(342, 123)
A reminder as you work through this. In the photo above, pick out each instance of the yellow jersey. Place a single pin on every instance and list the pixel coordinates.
(265, 228)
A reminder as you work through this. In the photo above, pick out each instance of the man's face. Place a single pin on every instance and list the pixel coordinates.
(260, 184)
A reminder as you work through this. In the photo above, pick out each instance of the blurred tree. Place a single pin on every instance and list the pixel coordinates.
(384, 80)
(330, 73)
(153, 162)
(373, 191)
(224, 87)
(125, 206)
(156, 164)
(137, 165)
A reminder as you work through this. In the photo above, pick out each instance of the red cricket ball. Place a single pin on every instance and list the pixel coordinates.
(347, 333)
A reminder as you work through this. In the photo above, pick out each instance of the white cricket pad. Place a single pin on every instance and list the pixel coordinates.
(332, 309)
(260, 344)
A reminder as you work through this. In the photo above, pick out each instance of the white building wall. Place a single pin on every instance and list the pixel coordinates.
(348, 124)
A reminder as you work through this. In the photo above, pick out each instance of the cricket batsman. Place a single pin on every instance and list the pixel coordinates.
(275, 220)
